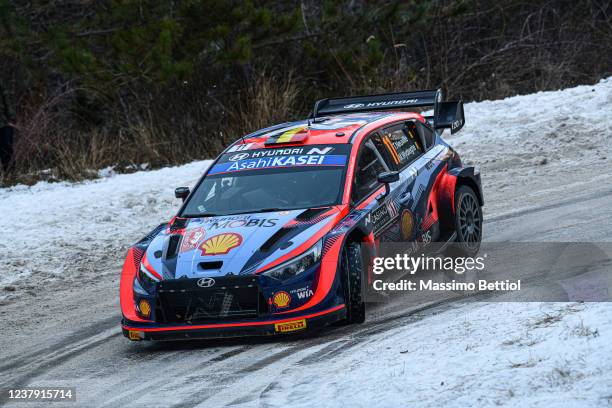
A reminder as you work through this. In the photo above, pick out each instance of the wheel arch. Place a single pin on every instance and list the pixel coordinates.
(357, 234)
(469, 176)
(365, 238)
(446, 192)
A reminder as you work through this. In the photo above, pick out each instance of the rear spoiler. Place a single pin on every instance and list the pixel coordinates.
(447, 115)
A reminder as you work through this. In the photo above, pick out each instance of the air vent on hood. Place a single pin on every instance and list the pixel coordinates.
(211, 265)
(276, 237)
(178, 223)
(310, 213)
(149, 237)
(173, 246)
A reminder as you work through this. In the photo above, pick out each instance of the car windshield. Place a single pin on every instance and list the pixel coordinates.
(270, 180)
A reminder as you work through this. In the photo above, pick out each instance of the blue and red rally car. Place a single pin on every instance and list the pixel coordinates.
(277, 235)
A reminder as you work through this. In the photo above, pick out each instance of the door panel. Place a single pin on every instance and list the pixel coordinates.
(407, 213)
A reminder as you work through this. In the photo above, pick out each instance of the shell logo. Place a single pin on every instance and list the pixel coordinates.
(145, 308)
(281, 299)
(221, 244)
(407, 225)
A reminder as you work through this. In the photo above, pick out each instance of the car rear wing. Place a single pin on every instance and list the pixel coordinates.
(447, 115)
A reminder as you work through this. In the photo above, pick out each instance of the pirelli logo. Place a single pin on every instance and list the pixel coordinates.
(287, 327)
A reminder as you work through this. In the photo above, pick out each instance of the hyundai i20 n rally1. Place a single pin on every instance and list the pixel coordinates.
(277, 235)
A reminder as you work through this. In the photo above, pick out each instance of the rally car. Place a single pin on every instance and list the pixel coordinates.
(277, 235)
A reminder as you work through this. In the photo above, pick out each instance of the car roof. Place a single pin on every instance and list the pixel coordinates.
(326, 130)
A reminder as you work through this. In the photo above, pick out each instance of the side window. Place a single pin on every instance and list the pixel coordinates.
(425, 133)
(403, 144)
(369, 166)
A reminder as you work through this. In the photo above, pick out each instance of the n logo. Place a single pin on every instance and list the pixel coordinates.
(316, 150)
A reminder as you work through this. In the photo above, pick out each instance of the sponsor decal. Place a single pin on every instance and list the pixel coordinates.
(290, 326)
(378, 218)
(242, 221)
(239, 156)
(456, 124)
(283, 213)
(302, 293)
(380, 104)
(240, 147)
(281, 299)
(279, 161)
(354, 106)
(426, 237)
(144, 307)
(206, 282)
(135, 335)
(316, 150)
(192, 239)
(221, 244)
(393, 209)
(292, 135)
(290, 151)
(406, 225)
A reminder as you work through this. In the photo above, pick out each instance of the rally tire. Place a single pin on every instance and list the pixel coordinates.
(468, 222)
(353, 283)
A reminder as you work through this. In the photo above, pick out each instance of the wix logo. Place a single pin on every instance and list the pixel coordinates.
(303, 293)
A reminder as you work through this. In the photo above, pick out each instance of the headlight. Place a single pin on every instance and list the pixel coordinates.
(297, 265)
(146, 280)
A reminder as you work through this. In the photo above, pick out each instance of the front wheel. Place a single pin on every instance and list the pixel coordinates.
(353, 283)
(468, 221)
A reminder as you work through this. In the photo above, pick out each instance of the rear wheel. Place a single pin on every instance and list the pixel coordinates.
(353, 282)
(468, 221)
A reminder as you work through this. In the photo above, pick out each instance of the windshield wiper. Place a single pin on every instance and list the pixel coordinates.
(200, 215)
(258, 210)
(270, 209)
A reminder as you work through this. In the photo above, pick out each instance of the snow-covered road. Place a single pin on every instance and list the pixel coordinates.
(546, 161)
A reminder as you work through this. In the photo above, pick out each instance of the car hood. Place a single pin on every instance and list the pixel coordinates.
(234, 244)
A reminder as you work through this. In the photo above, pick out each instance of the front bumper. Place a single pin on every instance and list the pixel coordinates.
(285, 325)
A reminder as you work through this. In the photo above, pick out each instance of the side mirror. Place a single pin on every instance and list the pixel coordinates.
(449, 115)
(388, 177)
(181, 192)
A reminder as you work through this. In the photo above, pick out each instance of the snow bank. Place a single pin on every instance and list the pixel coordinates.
(73, 228)
(530, 147)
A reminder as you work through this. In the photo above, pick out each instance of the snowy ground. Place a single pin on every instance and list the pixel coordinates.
(64, 243)
(71, 229)
(527, 354)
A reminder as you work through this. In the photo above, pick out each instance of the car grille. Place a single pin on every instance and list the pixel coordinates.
(183, 301)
